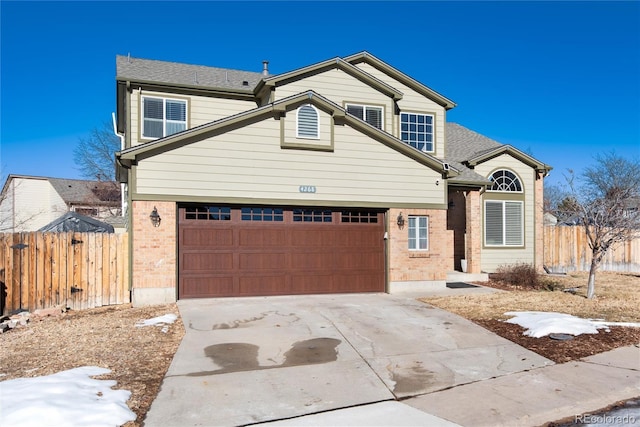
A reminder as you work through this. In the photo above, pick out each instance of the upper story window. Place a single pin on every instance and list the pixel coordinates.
(504, 180)
(308, 122)
(163, 116)
(417, 131)
(371, 115)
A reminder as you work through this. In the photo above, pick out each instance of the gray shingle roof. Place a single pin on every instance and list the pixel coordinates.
(147, 70)
(91, 193)
(464, 144)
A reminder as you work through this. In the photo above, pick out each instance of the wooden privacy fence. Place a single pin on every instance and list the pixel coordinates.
(566, 249)
(75, 270)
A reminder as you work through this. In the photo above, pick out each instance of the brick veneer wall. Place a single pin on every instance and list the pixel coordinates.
(430, 265)
(154, 248)
(474, 232)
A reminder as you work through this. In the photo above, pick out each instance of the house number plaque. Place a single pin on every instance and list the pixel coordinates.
(307, 188)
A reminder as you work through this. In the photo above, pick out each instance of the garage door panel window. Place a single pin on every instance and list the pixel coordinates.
(262, 214)
(503, 223)
(312, 215)
(208, 213)
(361, 217)
(418, 233)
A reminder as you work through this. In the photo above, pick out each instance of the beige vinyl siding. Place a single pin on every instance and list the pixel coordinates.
(494, 257)
(248, 163)
(413, 102)
(200, 110)
(340, 87)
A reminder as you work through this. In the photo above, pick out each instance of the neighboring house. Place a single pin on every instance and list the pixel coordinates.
(28, 203)
(342, 176)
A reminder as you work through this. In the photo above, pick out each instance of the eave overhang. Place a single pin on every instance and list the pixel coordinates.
(246, 94)
(320, 67)
(513, 152)
(401, 77)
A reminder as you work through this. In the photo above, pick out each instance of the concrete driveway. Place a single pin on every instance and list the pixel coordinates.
(251, 360)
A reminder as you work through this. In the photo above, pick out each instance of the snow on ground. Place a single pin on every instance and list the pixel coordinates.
(160, 320)
(67, 398)
(539, 323)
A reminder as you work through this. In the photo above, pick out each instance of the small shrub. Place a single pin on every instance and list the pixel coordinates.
(519, 275)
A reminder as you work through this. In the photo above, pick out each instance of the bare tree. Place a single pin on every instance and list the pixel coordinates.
(607, 205)
(95, 155)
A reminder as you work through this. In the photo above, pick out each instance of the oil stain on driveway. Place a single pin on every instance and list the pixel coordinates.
(252, 360)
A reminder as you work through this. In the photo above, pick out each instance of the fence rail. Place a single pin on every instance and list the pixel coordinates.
(566, 249)
(75, 270)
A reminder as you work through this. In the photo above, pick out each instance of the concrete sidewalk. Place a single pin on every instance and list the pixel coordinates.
(530, 398)
(371, 359)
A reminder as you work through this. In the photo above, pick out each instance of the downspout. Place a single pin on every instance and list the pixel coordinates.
(123, 200)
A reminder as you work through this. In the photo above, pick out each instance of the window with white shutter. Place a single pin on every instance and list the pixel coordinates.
(307, 122)
(372, 115)
(503, 223)
(163, 116)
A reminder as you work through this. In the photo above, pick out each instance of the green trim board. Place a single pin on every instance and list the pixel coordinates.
(179, 198)
(513, 152)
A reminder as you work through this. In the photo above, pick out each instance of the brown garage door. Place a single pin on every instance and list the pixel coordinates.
(244, 251)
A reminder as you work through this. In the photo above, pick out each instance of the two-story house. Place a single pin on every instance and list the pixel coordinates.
(342, 176)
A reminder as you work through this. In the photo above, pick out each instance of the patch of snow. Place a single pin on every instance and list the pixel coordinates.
(160, 320)
(68, 398)
(539, 323)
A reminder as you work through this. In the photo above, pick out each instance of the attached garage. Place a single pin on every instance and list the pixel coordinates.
(258, 250)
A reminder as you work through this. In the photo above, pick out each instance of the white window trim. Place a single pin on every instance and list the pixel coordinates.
(433, 132)
(417, 240)
(317, 123)
(504, 224)
(164, 113)
(364, 112)
(507, 191)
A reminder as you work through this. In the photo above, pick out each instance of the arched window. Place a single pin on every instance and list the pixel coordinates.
(504, 214)
(505, 180)
(307, 122)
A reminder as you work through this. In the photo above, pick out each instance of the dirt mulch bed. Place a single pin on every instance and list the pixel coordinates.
(564, 351)
(107, 337)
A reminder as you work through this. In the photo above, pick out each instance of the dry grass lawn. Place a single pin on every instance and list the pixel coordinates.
(617, 299)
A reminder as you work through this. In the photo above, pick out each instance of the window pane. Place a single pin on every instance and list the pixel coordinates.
(356, 110)
(173, 127)
(418, 233)
(176, 110)
(152, 128)
(152, 108)
(513, 223)
(374, 117)
(493, 223)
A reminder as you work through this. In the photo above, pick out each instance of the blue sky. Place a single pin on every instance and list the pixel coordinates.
(558, 80)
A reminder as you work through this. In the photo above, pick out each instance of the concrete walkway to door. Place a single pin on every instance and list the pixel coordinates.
(252, 360)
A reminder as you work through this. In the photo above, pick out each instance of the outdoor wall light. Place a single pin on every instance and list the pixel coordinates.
(400, 220)
(155, 217)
